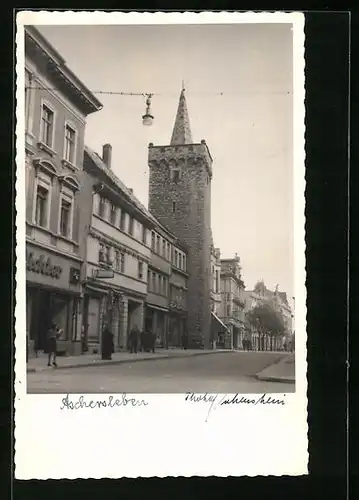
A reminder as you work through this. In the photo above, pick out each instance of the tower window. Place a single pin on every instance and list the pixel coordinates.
(175, 175)
(173, 206)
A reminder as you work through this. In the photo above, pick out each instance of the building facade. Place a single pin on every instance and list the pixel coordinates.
(131, 262)
(180, 198)
(56, 107)
(232, 304)
(117, 254)
(279, 301)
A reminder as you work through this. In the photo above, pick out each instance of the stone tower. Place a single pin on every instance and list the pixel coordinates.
(180, 198)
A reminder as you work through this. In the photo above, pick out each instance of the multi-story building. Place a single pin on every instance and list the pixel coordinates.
(232, 304)
(130, 261)
(56, 106)
(180, 198)
(178, 294)
(118, 253)
(260, 295)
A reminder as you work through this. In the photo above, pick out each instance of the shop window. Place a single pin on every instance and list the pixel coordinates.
(101, 206)
(113, 214)
(70, 144)
(42, 206)
(47, 125)
(140, 270)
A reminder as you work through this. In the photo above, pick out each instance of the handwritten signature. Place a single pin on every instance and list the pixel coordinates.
(109, 402)
(215, 400)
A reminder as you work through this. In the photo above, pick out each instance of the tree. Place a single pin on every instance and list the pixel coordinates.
(266, 320)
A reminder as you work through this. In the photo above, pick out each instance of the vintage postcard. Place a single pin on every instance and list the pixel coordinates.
(160, 244)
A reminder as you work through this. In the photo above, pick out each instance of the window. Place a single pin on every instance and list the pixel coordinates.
(163, 248)
(175, 174)
(108, 254)
(153, 282)
(122, 220)
(140, 270)
(47, 125)
(101, 206)
(121, 266)
(65, 218)
(117, 260)
(175, 259)
(149, 279)
(42, 200)
(160, 284)
(131, 225)
(173, 206)
(70, 143)
(184, 263)
(101, 253)
(27, 97)
(228, 310)
(178, 264)
(153, 240)
(144, 235)
(165, 287)
(113, 214)
(158, 244)
(169, 252)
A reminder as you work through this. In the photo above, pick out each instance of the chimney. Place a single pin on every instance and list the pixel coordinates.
(107, 154)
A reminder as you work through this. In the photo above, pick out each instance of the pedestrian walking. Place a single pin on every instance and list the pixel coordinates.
(142, 341)
(134, 338)
(107, 343)
(52, 334)
(185, 340)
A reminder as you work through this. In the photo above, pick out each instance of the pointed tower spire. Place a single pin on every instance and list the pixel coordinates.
(181, 131)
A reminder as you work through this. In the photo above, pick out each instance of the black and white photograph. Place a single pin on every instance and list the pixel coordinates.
(160, 210)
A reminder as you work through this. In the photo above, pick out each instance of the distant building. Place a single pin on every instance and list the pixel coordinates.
(56, 106)
(180, 198)
(232, 303)
(279, 300)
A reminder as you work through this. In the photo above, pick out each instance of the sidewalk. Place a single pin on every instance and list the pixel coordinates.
(283, 371)
(40, 364)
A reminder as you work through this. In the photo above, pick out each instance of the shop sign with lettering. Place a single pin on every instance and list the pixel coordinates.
(42, 265)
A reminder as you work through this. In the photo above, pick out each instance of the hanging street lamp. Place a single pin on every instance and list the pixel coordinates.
(147, 118)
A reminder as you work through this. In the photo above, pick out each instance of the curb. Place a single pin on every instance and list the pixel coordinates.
(124, 361)
(276, 379)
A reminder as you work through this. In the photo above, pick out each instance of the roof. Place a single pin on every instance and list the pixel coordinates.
(97, 160)
(181, 131)
(59, 69)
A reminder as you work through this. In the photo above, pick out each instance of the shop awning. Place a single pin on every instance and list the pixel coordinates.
(216, 318)
(158, 308)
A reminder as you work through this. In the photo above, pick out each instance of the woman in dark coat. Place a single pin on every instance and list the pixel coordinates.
(107, 343)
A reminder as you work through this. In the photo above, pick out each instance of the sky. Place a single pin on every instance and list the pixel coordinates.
(248, 129)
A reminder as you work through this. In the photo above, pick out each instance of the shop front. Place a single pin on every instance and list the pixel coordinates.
(52, 296)
(156, 321)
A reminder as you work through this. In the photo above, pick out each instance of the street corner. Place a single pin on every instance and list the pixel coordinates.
(281, 371)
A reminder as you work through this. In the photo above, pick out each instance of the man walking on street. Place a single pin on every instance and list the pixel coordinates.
(134, 337)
